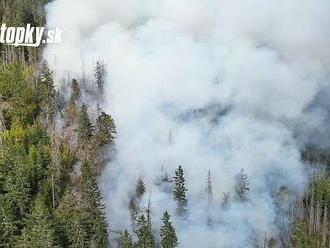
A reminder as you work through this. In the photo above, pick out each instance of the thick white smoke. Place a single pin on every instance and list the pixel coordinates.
(208, 84)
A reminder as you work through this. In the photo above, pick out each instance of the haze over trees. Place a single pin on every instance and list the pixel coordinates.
(53, 149)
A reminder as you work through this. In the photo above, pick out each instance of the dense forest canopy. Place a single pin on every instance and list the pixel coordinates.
(54, 146)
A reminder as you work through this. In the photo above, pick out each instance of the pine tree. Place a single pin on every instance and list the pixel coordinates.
(71, 219)
(99, 75)
(93, 207)
(75, 91)
(179, 191)
(9, 222)
(144, 234)
(140, 188)
(85, 128)
(242, 186)
(133, 206)
(125, 240)
(167, 233)
(46, 92)
(39, 232)
(105, 130)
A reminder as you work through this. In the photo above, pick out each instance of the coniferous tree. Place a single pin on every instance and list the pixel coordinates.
(167, 233)
(39, 232)
(85, 128)
(179, 191)
(9, 222)
(72, 220)
(242, 186)
(46, 92)
(99, 75)
(144, 234)
(140, 188)
(75, 91)
(93, 207)
(133, 206)
(125, 240)
(105, 130)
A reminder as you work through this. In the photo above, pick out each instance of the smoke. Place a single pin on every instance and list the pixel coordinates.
(219, 85)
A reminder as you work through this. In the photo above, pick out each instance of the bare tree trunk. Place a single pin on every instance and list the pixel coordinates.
(311, 215)
(318, 210)
(324, 227)
(53, 192)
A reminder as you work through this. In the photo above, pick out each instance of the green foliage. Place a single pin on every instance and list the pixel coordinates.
(19, 96)
(85, 129)
(125, 240)
(46, 92)
(321, 188)
(39, 231)
(71, 220)
(75, 91)
(144, 234)
(99, 76)
(179, 191)
(35, 170)
(93, 207)
(105, 130)
(302, 239)
(140, 188)
(167, 233)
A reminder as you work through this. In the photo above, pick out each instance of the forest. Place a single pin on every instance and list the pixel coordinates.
(54, 146)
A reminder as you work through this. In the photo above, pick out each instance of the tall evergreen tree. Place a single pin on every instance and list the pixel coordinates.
(140, 188)
(144, 234)
(39, 232)
(179, 191)
(167, 233)
(99, 75)
(242, 186)
(71, 219)
(85, 128)
(75, 91)
(125, 240)
(105, 129)
(93, 207)
(46, 92)
(133, 206)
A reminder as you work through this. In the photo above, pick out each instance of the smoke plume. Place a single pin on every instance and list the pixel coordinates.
(215, 85)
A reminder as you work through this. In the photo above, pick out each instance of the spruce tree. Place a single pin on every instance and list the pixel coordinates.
(75, 91)
(46, 92)
(242, 186)
(167, 233)
(140, 188)
(71, 218)
(39, 231)
(99, 76)
(105, 130)
(144, 234)
(179, 191)
(93, 207)
(85, 128)
(125, 240)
